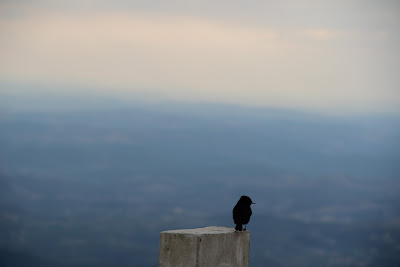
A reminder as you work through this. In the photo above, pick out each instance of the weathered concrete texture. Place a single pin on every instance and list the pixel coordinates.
(204, 247)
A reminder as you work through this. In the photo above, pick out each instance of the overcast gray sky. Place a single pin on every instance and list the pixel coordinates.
(335, 56)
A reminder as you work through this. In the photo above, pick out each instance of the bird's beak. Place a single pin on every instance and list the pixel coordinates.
(253, 203)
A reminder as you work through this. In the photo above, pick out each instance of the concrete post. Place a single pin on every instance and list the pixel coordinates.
(204, 247)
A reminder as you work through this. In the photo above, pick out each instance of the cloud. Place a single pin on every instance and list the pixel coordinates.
(320, 34)
(136, 51)
(196, 58)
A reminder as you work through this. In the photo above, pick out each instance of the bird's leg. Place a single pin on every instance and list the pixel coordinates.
(245, 227)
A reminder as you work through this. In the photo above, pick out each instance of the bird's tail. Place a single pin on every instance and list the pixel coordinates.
(238, 227)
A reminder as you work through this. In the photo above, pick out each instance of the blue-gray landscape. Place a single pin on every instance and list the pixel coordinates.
(95, 186)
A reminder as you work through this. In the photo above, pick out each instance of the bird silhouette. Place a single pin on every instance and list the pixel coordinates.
(242, 212)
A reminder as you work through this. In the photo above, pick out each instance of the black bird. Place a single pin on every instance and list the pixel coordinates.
(242, 212)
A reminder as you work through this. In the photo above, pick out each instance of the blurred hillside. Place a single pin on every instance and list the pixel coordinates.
(94, 187)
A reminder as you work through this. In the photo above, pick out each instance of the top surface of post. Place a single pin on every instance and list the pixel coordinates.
(210, 230)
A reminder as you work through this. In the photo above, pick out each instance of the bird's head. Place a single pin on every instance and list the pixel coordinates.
(246, 200)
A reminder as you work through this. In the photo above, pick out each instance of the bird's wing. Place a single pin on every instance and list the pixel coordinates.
(236, 215)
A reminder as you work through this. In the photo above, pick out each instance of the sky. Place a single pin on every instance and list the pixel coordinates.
(330, 56)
